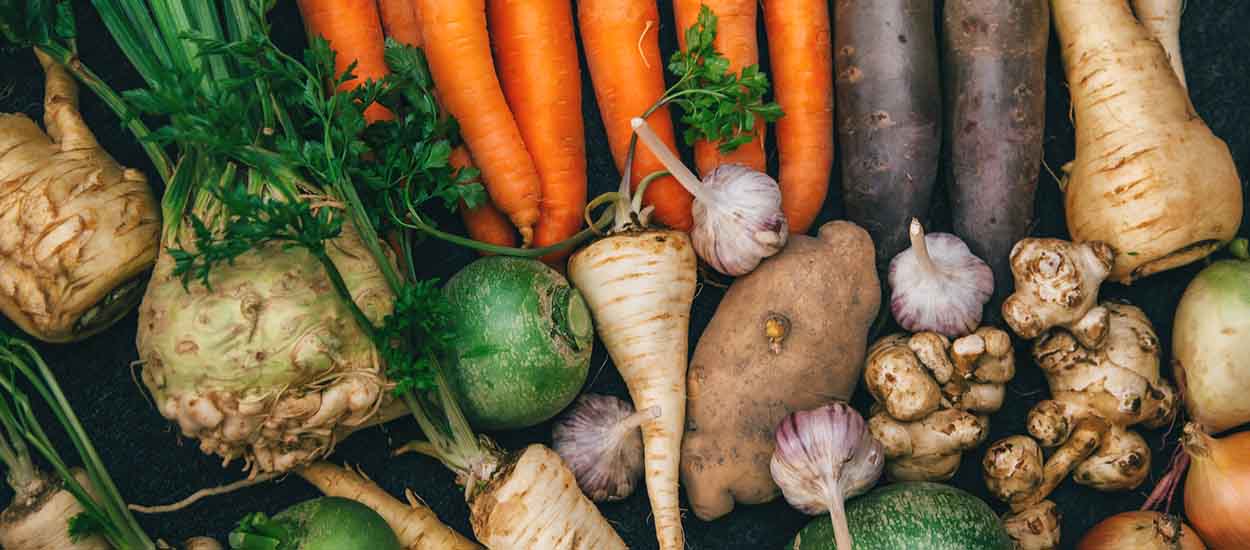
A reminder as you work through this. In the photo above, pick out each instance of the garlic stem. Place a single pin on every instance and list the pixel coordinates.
(916, 232)
(661, 151)
(837, 514)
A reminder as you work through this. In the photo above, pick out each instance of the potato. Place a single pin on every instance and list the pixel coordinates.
(789, 336)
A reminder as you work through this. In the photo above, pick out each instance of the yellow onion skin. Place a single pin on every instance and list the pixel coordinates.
(267, 363)
(1141, 530)
(1217, 488)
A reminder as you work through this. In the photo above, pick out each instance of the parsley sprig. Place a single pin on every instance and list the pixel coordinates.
(716, 104)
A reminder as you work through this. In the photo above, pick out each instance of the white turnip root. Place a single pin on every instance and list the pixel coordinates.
(1145, 161)
(77, 230)
(639, 284)
(267, 363)
(1211, 345)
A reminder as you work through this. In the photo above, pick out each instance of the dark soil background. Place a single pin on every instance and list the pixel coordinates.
(152, 464)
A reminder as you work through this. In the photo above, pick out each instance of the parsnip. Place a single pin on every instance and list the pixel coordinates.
(414, 524)
(1145, 162)
(639, 284)
(1163, 19)
(77, 230)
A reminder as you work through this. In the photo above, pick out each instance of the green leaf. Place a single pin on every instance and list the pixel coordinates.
(83, 525)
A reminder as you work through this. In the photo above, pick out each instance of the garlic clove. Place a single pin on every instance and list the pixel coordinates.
(938, 285)
(823, 457)
(600, 440)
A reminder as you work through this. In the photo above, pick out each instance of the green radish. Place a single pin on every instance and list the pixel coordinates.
(325, 523)
(916, 516)
(639, 283)
(523, 338)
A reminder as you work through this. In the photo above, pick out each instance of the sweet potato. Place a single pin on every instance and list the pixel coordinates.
(889, 115)
(789, 336)
(994, 63)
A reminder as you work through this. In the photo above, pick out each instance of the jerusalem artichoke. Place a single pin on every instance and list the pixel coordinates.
(1096, 395)
(77, 230)
(933, 397)
(1057, 286)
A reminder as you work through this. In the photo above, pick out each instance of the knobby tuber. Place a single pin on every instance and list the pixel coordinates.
(934, 397)
(1097, 394)
(1057, 286)
(77, 230)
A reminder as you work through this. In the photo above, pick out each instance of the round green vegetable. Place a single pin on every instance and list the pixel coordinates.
(915, 516)
(522, 342)
(326, 523)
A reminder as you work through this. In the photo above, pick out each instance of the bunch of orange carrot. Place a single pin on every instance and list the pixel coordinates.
(509, 73)
(515, 92)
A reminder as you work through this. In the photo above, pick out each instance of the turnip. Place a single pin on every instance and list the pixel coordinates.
(1145, 161)
(325, 523)
(77, 230)
(1211, 344)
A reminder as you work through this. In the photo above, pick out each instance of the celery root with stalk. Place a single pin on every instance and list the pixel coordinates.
(1145, 161)
(275, 168)
(78, 231)
(73, 508)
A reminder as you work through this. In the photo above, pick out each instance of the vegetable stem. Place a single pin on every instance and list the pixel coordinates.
(916, 233)
(675, 167)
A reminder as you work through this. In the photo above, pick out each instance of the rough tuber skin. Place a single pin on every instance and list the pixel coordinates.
(1096, 396)
(1057, 286)
(77, 230)
(933, 397)
(266, 365)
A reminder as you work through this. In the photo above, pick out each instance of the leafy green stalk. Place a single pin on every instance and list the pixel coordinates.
(106, 514)
(716, 104)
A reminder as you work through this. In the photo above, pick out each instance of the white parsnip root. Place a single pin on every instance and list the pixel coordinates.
(1150, 179)
(38, 518)
(1163, 19)
(532, 501)
(77, 230)
(414, 524)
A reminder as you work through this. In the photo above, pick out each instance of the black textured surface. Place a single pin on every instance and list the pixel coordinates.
(153, 465)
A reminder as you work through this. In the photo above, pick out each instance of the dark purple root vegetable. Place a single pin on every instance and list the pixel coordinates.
(994, 71)
(889, 115)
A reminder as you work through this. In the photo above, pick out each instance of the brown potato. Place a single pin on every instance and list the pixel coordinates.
(789, 336)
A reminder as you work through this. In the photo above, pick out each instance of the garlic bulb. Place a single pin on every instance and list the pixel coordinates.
(737, 210)
(823, 457)
(600, 441)
(938, 285)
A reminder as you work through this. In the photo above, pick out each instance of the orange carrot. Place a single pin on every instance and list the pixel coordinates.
(536, 51)
(735, 39)
(485, 223)
(399, 20)
(800, 47)
(458, 51)
(354, 31)
(623, 52)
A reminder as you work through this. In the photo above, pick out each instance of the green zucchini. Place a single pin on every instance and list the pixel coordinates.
(522, 340)
(912, 516)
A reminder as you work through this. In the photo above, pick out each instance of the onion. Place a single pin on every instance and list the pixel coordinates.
(1211, 345)
(1217, 488)
(1141, 531)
